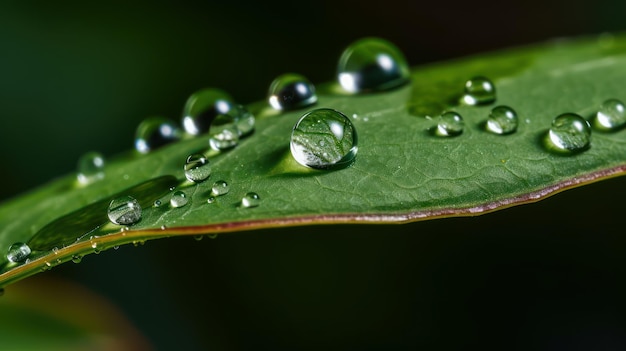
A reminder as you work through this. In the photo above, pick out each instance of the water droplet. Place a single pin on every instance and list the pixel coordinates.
(198, 237)
(226, 139)
(154, 132)
(570, 132)
(18, 252)
(163, 227)
(502, 120)
(124, 210)
(243, 119)
(90, 167)
(479, 91)
(372, 64)
(197, 168)
(95, 248)
(220, 188)
(115, 247)
(179, 199)
(158, 203)
(77, 258)
(202, 107)
(212, 236)
(450, 124)
(291, 91)
(324, 139)
(611, 115)
(251, 200)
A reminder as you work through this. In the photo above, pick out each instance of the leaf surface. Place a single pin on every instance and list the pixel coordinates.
(402, 172)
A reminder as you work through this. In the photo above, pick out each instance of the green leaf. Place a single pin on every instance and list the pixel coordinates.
(402, 172)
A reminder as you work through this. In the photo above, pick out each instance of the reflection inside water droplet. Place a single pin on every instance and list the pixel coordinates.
(18, 252)
(124, 210)
(479, 91)
(220, 188)
(291, 91)
(502, 120)
(611, 115)
(90, 167)
(202, 107)
(155, 132)
(197, 168)
(251, 199)
(570, 133)
(179, 199)
(450, 124)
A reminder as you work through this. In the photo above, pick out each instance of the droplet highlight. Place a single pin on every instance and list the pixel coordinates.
(251, 199)
(155, 132)
(450, 124)
(611, 115)
(570, 133)
(220, 188)
(197, 168)
(179, 199)
(90, 167)
(291, 91)
(124, 211)
(226, 139)
(18, 252)
(324, 139)
(202, 107)
(502, 120)
(372, 64)
(479, 91)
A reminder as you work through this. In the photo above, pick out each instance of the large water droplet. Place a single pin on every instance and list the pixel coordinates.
(291, 91)
(220, 188)
(202, 107)
(324, 139)
(178, 199)
(502, 120)
(124, 210)
(90, 167)
(611, 115)
(479, 91)
(18, 252)
(226, 139)
(154, 132)
(570, 132)
(450, 124)
(243, 119)
(372, 64)
(197, 168)
(251, 200)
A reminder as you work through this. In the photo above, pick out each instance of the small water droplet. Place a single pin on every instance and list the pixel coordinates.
(158, 203)
(124, 210)
(211, 199)
(220, 188)
(226, 139)
(198, 237)
(479, 91)
(212, 236)
(251, 200)
(95, 248)
(502, 120)
(90, 167)
(243, 119)
(179, 199)
(197, 168)
(202, 107)
(77, 258)
(163, 227)
(155, 132)
(450, 124)
(611, 115)
(291, 91)
(372, 64)
(331, 127)
(46, 266)
(18, 252)
(570, 133)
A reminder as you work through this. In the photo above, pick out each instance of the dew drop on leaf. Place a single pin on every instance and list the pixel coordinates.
(124, 210)
(251, 199)
(90, 167)
(502, 120)
(450, 124)
(18, 252)
(220, 188)
(179, 199)
(158, 203)
(77, 258)
(570, 133)
(324, 139)
(202, 107)
(611, 115)
(479, 91)
(154, 132)
(197, 168)
(210, 200)
(372, 64)
(225, 139)
(291, 91)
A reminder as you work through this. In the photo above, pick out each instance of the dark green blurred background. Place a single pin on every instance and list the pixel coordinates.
(78, 76)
